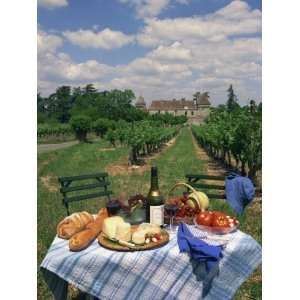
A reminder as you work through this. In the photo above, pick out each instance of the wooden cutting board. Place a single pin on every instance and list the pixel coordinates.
(106, 243)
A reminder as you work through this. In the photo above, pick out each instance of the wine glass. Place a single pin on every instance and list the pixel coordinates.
(171, 210)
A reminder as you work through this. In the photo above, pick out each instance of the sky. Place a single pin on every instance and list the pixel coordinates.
(160, 49)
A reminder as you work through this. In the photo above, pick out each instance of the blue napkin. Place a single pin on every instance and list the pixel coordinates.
(239, 191)
(198, 249)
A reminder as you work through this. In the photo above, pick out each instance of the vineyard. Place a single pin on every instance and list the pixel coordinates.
(143, 138)
(234, 138)
(46, 130)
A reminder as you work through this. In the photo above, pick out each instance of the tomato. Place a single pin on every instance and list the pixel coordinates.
(220, 220)
(204, 218)
(157, 236)
(219, 213)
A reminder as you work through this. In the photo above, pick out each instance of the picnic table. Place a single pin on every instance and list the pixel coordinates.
(162, 273)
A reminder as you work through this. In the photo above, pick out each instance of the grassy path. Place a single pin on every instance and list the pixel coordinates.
(173, 163)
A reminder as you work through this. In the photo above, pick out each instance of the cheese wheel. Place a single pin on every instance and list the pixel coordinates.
(110, 226)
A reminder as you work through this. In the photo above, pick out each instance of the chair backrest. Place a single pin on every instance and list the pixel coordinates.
(208, 188)
(101, 183)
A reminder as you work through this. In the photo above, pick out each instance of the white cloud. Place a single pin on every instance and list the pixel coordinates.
(235, 19)
(147, 8)
(151, 8)
(52, 3)
(61, 66)
(175, 52)
(147, 66)
(237, 10)
(48, 42)
(106, 39)
(57, 68)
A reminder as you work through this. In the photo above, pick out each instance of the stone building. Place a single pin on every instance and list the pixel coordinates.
(196, 110)
(141, 104)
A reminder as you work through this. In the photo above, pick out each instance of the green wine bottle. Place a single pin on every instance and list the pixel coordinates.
(155, 201)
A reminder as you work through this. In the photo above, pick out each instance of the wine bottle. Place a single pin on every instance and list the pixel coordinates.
(155, 201)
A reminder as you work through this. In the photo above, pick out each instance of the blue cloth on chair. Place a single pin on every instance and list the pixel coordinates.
(198, 249)
(240, 191)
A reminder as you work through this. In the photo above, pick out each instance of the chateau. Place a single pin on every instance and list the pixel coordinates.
(196, 110)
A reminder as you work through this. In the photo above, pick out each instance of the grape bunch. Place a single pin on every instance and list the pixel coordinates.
(184, 210)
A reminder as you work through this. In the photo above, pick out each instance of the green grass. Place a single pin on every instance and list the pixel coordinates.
(62, 138)
(173, 163)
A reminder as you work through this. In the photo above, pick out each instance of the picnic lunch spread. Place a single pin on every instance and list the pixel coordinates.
(202, 234)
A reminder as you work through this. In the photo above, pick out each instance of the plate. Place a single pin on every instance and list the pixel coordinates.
(216, 230)
(108, 244)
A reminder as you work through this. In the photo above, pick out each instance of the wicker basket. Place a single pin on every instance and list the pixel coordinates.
(194, 197)
(193, 201)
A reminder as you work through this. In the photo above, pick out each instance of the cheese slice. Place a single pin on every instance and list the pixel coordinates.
(123, 232)
(110, 226)
(138, 237)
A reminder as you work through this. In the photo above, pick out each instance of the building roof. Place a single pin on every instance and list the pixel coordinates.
(172, 105)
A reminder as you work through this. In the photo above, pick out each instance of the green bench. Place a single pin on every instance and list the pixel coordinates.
(193, 180)
(99, 187)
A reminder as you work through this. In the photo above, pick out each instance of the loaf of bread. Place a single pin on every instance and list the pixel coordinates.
(73, 224)
(84, 238)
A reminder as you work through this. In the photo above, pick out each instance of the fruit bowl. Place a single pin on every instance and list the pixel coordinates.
(216, 229)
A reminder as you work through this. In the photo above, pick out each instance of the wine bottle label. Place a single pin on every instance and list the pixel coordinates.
(157, 215)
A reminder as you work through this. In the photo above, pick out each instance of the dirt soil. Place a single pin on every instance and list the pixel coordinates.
(107, 149)
(49, 183)
(213, 168)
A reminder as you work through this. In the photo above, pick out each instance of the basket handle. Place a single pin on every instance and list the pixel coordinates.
(182, 184)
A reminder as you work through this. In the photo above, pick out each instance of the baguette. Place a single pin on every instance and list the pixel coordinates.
(84, 238)
(73, 224)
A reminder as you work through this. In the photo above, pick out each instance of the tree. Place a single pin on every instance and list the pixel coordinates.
(60, 103)
(85, 105)
(89, 89)
(81, 125)
(232, 102)
(101, 126)
(65, 103)
(77, 91)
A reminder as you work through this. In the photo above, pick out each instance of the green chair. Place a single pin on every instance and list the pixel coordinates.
(210, 189)
(99, 188)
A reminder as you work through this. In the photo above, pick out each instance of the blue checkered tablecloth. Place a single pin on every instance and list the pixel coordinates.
(163, 273)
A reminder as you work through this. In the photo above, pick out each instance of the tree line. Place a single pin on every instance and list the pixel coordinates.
(86, 109)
